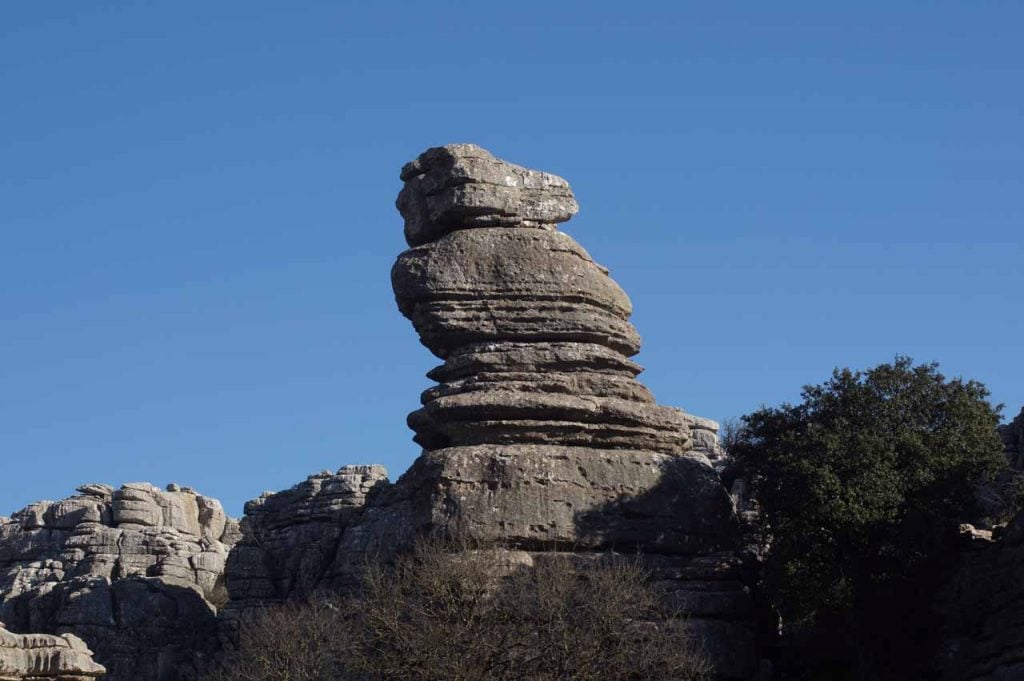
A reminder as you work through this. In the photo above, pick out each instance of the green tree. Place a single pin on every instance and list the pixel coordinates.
(862, 487)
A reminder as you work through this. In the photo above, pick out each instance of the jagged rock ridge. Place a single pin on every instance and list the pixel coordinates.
(132, 571)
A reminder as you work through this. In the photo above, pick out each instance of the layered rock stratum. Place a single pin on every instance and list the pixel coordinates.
(538, 437)
(289, 539)
(134, 572)
(40, 657)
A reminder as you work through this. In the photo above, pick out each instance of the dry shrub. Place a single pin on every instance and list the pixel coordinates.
(447, 613)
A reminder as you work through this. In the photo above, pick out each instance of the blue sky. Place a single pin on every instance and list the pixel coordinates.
(197, 220)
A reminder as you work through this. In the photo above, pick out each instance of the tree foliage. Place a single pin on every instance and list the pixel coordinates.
(863, 485)
(468, 615)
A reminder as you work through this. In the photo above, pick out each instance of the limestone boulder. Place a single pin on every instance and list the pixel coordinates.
(462, 185)
(35, 657)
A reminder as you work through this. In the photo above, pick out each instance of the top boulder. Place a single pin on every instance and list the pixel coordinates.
(461, 186)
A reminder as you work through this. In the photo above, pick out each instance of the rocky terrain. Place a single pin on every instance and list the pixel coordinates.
(537, 436)
(39, 657)
(134, 572)
(538, 441)
(289, 539)
(982, 607)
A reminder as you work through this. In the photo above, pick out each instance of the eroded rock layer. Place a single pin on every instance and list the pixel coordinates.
(133, 571)
(42, 657)
(289, 539)
(538, 435)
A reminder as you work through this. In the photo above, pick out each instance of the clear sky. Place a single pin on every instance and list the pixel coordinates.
(197, 210)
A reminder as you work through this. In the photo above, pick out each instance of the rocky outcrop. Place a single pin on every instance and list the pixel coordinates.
(982, 608)
(289, 539)
(134, 572)
(41, 657)
(537, 436)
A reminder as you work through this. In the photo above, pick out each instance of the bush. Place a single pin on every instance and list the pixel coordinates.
(444, 612)
(863, 486)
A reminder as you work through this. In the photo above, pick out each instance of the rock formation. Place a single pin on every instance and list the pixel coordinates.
(982, 609)
(289, 539)
(131, 571)
(538, 436)
(40, 657)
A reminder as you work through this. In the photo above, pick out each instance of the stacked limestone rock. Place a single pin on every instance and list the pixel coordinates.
(132, 571)
(288, 539)
(538, 435)
(40, 657)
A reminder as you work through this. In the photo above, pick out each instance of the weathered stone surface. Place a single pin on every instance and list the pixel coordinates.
(461, 185)
(538, 437)
(289, 539)
(32, 657)
(132, 571)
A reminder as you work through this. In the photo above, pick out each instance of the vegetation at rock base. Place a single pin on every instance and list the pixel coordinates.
(862, 487)
(468, 615)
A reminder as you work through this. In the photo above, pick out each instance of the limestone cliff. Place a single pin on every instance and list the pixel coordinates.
(132, 571)
(289, 539)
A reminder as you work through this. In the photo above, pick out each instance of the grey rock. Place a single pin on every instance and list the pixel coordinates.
(538, 437)
(132, 571)
(511, 284)
(35, 657)
(461, 185)
(288, 539)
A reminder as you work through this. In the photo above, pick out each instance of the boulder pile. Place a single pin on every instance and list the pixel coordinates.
(134, 572)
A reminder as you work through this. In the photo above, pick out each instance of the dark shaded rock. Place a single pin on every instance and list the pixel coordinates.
(288, 539)
(982, 609)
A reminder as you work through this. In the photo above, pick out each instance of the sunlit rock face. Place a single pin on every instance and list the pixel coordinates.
(42, 657)
(538, 435)
(134, 572)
